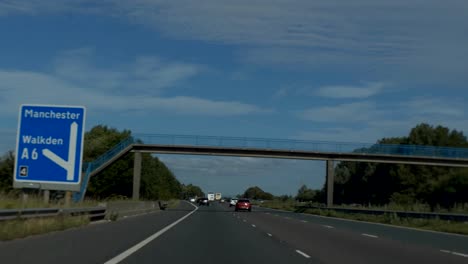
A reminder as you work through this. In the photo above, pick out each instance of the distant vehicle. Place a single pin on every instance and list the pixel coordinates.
(203, 201)
(211, 196)
(232, 202)
(243, 204)
(222, 201)
(217, 196)
(192, 200)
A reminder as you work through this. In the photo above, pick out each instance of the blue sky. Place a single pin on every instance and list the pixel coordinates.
(296, 69)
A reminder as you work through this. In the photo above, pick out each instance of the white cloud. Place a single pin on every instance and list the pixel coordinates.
(403, 40)
(148, 74)
(367, 122)
(29, 87)
(136, 86)
(344, 91)
(343, 113)
(453, 108)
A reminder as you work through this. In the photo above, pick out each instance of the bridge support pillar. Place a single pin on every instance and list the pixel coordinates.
(136, 176)
(330, 182)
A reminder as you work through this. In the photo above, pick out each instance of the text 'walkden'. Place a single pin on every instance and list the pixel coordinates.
(40, 140)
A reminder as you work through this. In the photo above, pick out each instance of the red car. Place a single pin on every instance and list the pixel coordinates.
(243, 204)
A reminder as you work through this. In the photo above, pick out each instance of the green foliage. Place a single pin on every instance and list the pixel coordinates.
(379, 184)
(100, 139)
(305, 194)
(257, 194)
(284, 198)
(190, 190)
(157, 181)
(7, 163)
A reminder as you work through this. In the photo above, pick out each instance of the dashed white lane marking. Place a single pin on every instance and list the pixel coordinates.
(367, 235)
(267, 213)
(287, 217)
(254, 226)
(328, 226)
(303, 254)
(244, 220)
(304, 221)
(117, 259)
(454, 253)
(276, 215)
(270, 235)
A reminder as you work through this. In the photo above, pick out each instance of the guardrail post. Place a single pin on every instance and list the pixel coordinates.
(136, 176)
(46, 197)
(68, 195)
(330, 182)
(24, 198)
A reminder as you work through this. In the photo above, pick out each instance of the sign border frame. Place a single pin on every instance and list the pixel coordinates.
(49, 185)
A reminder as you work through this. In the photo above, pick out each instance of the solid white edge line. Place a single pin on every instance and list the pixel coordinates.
(454, 253)
(135, 248)
(368, 235)
(460, 254)
(328, 226)
(302, 253)
(304, 221)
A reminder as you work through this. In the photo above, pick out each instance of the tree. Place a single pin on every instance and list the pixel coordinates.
(305, 194)
(190, 190)
(257, 194)
(7, 163)
(157, 181)
(405, 184)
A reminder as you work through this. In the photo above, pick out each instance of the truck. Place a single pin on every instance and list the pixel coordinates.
(211, 196)
(217, 196)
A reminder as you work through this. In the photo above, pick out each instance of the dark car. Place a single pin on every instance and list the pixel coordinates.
(203, 201)
(243, 204)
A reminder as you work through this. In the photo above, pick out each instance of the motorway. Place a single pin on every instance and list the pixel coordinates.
(217, 234)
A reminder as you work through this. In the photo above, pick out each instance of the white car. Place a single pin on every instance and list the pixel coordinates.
(232, 202)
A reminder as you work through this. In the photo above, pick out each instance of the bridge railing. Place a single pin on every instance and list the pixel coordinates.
(89, 167)
(305, 145)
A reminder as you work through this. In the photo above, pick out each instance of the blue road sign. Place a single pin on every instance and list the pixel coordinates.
(49, 147)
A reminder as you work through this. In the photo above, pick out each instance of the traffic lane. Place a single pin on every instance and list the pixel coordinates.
(324, 242)
(90, 244)
(436, 240)
(212, 235)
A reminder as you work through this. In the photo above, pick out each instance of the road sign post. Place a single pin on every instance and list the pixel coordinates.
(49, 147)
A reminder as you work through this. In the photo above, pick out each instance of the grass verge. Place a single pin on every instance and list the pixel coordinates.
(280, 205)
(391, 219)
(35, 201)
(173, 203)
(20, 228)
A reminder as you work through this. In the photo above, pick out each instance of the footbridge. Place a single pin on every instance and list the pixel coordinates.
(273, 148)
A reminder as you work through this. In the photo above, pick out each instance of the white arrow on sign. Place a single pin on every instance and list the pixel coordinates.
(69, 165)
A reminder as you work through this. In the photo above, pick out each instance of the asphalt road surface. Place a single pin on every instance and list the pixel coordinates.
(217, 234)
